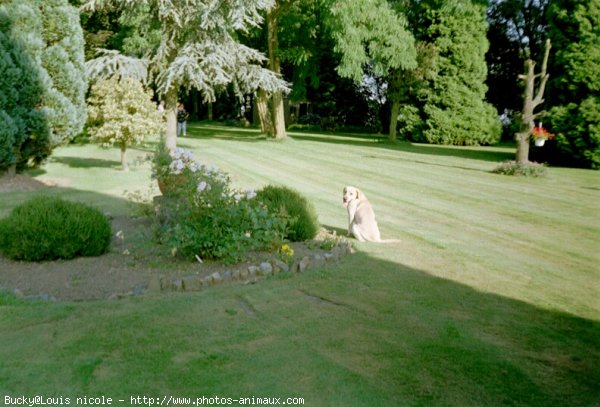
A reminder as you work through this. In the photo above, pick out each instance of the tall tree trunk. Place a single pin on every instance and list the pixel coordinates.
(527, 115)
(210, 111)
(277, 112)
(531, 100)
(262, 105)
(124, 163)
(397, 93)
(171, 114)
(394, 119)
(195, 104)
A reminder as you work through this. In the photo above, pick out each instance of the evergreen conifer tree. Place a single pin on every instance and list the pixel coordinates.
(43, 79)
(455, 110)
(21, 94)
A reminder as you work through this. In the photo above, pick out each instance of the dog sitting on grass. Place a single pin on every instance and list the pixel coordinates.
(361, 217)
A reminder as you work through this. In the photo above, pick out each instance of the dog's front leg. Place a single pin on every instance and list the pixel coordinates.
(351, 212)
(357, 233)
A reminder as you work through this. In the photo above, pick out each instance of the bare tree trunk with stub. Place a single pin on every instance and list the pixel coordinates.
(532, 99)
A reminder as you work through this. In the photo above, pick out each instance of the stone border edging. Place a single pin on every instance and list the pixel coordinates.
(249, 275)
(253, 272)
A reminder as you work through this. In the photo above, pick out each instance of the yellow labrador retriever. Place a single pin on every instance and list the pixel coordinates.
(361, 218)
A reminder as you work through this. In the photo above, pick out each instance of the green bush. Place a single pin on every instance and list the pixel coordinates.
(225, 231)
(577, 128)
(302, 216)
(201, 215)
(48, 228)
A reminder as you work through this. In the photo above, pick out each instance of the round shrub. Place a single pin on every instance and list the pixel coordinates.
(530, 169)
(302, 216)
(48, 228)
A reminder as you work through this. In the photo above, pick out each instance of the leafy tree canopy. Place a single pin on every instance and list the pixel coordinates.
(574, 89)
(198, 48)
(369, 32)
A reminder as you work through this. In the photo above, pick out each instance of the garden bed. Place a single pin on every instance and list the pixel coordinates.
(133, 267)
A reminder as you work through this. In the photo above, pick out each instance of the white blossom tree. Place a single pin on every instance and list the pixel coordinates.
(121, 112)
(198, 49)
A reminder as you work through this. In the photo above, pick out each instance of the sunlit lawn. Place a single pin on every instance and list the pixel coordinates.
(492, 298)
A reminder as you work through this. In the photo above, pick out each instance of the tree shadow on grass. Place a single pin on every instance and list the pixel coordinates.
(494, 154)
(106, 203)
(85, 162)
(441, 340)
(376, 141)
(213, 131)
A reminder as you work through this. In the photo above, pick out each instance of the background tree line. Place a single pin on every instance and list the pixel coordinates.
(437, 71)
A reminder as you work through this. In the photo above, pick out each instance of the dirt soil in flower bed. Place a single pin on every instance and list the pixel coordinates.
(129, 268)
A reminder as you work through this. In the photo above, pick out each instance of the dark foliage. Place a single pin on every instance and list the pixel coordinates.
(302, 216)
(48, 228)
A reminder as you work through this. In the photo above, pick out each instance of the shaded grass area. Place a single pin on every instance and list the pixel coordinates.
(491, 299)
(397, 336)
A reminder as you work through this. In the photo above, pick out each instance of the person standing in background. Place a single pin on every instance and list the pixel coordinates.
(182, 117)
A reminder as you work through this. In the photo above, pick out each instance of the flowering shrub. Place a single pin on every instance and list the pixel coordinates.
(178, 172)
(202, 216)
(541, 133)
(286, 253)
(531, 169)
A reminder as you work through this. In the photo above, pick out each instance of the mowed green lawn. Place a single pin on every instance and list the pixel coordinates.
(492, 298)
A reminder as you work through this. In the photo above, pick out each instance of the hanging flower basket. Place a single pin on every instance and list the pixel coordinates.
(540, 135)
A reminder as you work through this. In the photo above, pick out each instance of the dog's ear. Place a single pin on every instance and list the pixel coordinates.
(359, 194)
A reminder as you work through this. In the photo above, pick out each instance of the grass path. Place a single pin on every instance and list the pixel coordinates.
(492, 298)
